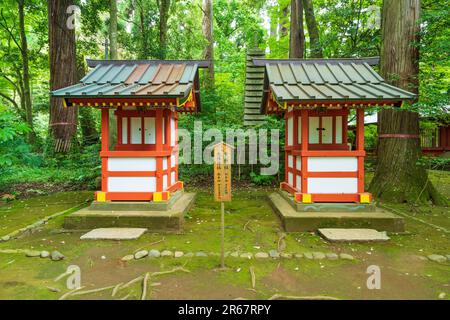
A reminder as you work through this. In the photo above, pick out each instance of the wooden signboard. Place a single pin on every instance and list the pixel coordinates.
(222, 172)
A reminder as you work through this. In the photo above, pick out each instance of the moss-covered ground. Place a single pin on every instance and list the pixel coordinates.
(250, 227)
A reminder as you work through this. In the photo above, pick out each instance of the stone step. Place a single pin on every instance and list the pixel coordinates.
(252, 105)
(254, 81)
(253, 123)
(352, 235)
(310, 221)
(254, 75)
(253, 99)
(249, 93)
(171, 220)
(254, 87)
(254, 69)
(251, 111)
(255, 117)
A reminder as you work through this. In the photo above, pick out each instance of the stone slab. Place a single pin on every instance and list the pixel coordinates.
(352, 235)
(114, 234)
(171, 220)
(322, 207)
(298, 221)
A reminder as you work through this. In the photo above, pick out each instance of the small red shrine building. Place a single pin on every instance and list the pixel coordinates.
(316, 97)
(145, 97)
(435, 141)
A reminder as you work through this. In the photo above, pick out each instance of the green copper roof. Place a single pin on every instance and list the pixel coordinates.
(139, 78)
(327, 80)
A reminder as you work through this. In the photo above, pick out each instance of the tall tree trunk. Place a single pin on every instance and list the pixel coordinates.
(164, 6)
(209, 36)
(88, 126)
(313, 31)
(143, 53)
(284, 22)
(297, 34)
(273, 32)
(63, 72)
(398, 177)
(113, 29)
(26, 94)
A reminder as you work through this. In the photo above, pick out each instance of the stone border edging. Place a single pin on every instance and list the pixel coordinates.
(22, 231)
(273, 254)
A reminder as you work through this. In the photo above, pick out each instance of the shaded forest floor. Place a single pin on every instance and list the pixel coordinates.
(251, 227)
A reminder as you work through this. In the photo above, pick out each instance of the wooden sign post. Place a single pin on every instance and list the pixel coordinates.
(222, 186)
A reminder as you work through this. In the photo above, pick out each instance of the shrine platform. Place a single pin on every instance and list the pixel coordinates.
(163, 216)
(299, 217)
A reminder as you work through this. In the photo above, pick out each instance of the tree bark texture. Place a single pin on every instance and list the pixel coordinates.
(26, 90)
(284, 22)
(113, 29)
(88, 126)
(208, 33)
(63, 72)
(297, 34)
(398, 176)
(164, 6)
(313, 31)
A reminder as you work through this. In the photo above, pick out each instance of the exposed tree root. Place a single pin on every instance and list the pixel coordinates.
(69, 293)
(116, 288)
(79, 293)
(281, 242)
(144, 286)
(282, 297)
(129, 283)
(252, 273)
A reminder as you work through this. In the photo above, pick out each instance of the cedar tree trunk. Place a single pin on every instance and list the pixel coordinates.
(297, 34)
(113, 29)
(26, 94)
(398, 176)
(208, 33)
(313, 31)
(63, 72)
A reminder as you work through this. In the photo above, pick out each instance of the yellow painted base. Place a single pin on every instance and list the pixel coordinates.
(364, 198)
(101, 196)
(306, 198)
(157, 196)
(161, 196)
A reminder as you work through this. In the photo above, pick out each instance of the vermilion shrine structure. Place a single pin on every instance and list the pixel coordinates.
(145, 97)
(316, 98)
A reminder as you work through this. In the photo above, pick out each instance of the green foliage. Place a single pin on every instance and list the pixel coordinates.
(349, 28)
(261, 180)
(12, 147)
(346, 28)
(76, 171)
(434, 47)
(435, 163)
(370, 136)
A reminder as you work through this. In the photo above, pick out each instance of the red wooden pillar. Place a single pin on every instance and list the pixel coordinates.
(305, 140)
(295, 147)
(159, 147)
(360, 147)
(105, 148)
(175, 116)
(168, 120)
(286, 152)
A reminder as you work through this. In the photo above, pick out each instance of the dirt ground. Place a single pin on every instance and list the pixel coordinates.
(404, 272)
